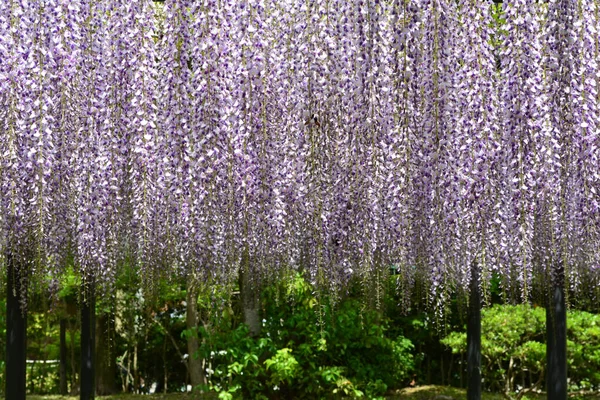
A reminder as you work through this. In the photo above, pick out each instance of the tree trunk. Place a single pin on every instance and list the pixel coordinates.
(16, 334)
(165, 366)
(72, 355)
(250, 297)
(136, 375)
(88, 333)
(556, 340)
(474, 337)
(106, 371)
(194, 362)
(63, 357)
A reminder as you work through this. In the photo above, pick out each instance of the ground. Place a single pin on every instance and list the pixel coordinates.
(430, 392)
(418, 393)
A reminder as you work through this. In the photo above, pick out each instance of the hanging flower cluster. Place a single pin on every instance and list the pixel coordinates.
(550, 142)
(339, 137)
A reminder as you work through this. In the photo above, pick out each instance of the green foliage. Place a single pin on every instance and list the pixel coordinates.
(70, 284)
(233, 361)
(514, 351)
(42, 378)
(42, 349)
(283, 366)
(359, 341)
(583, 349)
(307, 350)
(310, 347)
(510, 343)
(151, 322)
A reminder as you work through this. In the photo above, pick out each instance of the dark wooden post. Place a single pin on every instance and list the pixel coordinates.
(63, 356)
(474, 337)
(16, 334)
(556, 339)
(88, 342)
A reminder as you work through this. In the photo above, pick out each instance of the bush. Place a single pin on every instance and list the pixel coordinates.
(583, 350)
(510, 342)
(308, 350)
(513, 348)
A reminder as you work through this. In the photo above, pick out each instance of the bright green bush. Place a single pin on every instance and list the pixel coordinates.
(512, 336)
(583, 349)
(513, 348)
(306, 350)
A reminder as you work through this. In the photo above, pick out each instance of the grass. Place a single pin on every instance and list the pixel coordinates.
(418, 393)
(429, 392)
(169, 396)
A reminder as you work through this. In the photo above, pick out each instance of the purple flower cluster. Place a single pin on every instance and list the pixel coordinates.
(550, 142)
(337, 137)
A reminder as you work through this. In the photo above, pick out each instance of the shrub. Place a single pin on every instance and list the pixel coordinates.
(583, 350)
(513, 348)
(308, 350)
